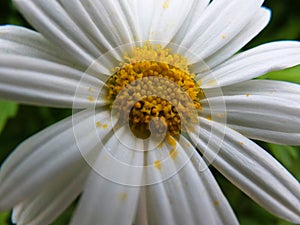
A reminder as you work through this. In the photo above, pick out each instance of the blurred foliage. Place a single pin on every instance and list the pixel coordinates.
(287, 155)
(8, 109)
(290, 75)
(29, 120)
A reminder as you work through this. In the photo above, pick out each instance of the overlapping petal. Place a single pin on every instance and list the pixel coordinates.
(106, 199)
(271, 88)
(58, 27)
(177, 200)
(51, 151)
(20, 41)
(160, 20)
(250, 168)
(34, 71)
(104, 22)
(220, 23)
(105, 202)
(88, 29)
(197, 10)
(47, 205)
(253, 63)
(41, 82)
(256, 24)
(263, 110)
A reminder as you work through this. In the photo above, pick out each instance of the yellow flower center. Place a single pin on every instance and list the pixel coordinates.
(154, 92)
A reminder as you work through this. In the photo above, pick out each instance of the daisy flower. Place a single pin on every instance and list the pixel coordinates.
(159, 91)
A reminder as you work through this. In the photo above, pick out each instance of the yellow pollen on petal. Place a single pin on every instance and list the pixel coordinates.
(91, 98)
(160, 145)
(166, 4)
(135, 38)
(216, 203)
(212, 82)
(154, 91)
(157, 164)
(209, 117)
(123, 197)
(241, 143)
(173, 153)
(171, 141)
(101, 125)
(247, 94)
(219, 115)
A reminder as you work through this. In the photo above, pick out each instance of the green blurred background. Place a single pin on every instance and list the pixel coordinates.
(18, 122)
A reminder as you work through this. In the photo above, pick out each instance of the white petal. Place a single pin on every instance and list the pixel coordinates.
(257, 23)
(164, 161)
(36, 81)
(250, 168)
(253, 63)
(104, 22)
(130, 15)
(197, 9)
(45, 155)
(271, 117)
(105, 200)
(223, 213)
(160, 20)
(220, 23)
(273, 88)
(19, 41)
(141, 211)
(180, 199)
(52, 20)
(47, 205)
(122, 155)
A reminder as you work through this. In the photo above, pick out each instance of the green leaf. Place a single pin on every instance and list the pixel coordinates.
(4, 218)
(291, 75)
(7, 110)
(286, 154)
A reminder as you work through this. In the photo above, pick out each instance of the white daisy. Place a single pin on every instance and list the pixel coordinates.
(203, 102)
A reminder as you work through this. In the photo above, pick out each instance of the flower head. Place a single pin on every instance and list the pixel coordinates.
(160, 93)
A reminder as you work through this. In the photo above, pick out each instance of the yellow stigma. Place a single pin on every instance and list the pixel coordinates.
(154, 91)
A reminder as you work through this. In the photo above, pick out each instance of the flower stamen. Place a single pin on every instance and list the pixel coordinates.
(154, 84)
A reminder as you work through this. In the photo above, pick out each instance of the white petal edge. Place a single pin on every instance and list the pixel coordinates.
(105, 23)
(180, 199)
(253, 63)
(122, 155)
(262, 110)
(250, 168)
(197, 9)
(47, 205)
(15, 40)
(272, 88)
(160, 20)
(50, 19)
(43, 156)
(104, 200)
(36, 81)
(220, 22)
(256, 24)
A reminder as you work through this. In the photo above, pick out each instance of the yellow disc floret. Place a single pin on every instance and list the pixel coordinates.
(154, 91)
